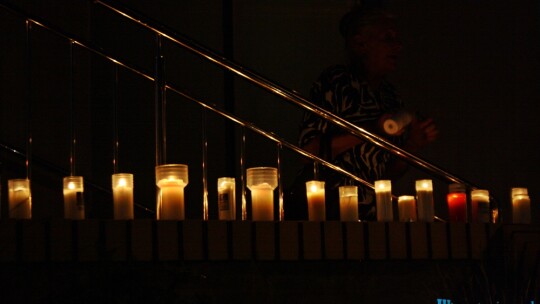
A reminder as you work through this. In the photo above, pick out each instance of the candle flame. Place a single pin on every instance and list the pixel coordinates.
(314, 188)
(425, 185)
(71, 186)
(122, 182)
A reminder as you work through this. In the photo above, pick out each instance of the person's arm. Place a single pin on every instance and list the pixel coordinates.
(339, 143)
(342, 142)
(346, 141)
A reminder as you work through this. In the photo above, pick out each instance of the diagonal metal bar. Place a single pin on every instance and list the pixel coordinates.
(250, 76)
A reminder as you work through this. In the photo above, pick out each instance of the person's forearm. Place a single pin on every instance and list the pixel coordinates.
(344, 142)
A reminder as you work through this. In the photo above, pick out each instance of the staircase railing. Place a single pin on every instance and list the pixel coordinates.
(278, 90)
(293, 97)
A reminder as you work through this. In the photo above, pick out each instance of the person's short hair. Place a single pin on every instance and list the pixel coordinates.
(361, 16)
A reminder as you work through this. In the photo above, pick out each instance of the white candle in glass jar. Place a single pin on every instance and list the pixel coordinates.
(424, 200)
(73, 198)
(407, 208)
(383, 197)
(262, 181)
(20, 199)
(348, 203)
(122, 184)
(316, 200)
(521, 209)
(262, 202)
(226, 198)
(171, 199)
(171, 181)
(480, 206)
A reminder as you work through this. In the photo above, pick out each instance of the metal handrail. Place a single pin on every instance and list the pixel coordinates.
(88, 46)
(252, 77)
(278, 90)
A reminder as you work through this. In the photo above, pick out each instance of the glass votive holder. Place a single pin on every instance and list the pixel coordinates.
(316, 200)
(383, 198)
(480, 210)
(262, 181)
(19, 199)
(521, 206)
(407, 208)
(122, 186)
(226, 198)
(348, 203)
(424, 200)
(74, 198)
(519, 191)
(457, 203)
(171, 180)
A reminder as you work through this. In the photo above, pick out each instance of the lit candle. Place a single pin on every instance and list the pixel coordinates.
(262, 181)
(480, 206)
(348, 203)
(457, 203)
(262, 202)
(226, 198)
(122, 184)
(315, 200)
(407, 208)
(424, 196)
(171, 180)
(383, 197)
(521, 206)
(73, 198)
(20, 199)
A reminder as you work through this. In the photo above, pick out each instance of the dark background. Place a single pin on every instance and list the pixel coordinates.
(471, 65)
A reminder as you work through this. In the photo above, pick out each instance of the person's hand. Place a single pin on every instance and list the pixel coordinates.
(421, 133)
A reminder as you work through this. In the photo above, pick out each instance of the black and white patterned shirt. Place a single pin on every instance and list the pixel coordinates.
(341, 91)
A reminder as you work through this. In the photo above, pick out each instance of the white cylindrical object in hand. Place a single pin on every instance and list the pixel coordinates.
(122, 185)
(226, 198)
(73, 198)
(316, 200)
(348, 203)
(424, 200)
(262, 181)
(397, 122)
(480, 206)
(383, 197)
(20, 199)
(407, 208)
(171, 180)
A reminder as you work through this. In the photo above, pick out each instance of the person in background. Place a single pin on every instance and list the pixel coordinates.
(359, 93)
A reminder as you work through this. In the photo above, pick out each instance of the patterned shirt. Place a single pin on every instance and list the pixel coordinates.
(341, 91)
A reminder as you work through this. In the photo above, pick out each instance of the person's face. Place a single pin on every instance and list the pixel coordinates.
(378, 48)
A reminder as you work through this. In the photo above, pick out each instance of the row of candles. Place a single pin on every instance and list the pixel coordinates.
(420, 207)
(171, 180)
